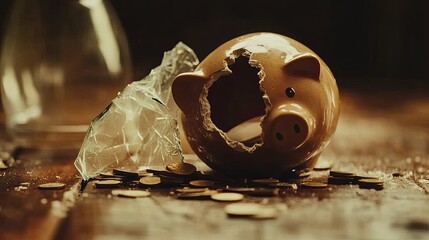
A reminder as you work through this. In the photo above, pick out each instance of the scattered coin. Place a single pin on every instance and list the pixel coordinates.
(397, 174)
(371, 184)
(358, 177)
(265, 181)
(130, 193)
(169, 180)
(340, 181)
(304, 174)
(314, 185)
(125, 173)
(109, 175)
(107, 183)
(150, 181)
(341, 174)
(197, 195)
(191, 190)
(243, 209)
(322, 165)
(181, 168)
(201, 183)
(227, 197)
(54, 185)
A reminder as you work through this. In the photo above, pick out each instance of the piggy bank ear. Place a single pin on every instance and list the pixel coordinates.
(305, 65)
(187, 89)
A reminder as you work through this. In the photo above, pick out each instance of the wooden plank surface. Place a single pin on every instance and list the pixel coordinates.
(375, 136)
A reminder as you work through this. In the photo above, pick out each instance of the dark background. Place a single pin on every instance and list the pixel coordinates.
(380, 44)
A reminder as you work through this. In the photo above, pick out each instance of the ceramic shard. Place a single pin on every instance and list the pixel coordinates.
(140, 127)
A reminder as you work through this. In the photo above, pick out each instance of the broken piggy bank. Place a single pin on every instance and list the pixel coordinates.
(260, 105)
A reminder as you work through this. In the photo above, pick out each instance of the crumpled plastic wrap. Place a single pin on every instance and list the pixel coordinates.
(140, 127)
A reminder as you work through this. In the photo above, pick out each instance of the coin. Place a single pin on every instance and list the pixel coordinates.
(107, 183)
(304, 174)
(371, 184)
(322, 165)
(201, 183)
(150, 181)
(125, 173)
(341, 174)
(313, 185)
(130, 193)
(265, 180)
(181, 168)
(197, 195)
(172, 180)
(191, 190)
(243, 209)
(110, 175)
(227, 197)
(340, 181)
(54, 185)
(397, 174)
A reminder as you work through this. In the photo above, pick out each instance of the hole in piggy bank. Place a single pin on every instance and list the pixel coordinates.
(236, 103)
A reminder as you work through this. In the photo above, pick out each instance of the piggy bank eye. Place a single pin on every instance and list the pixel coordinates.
(290, 92)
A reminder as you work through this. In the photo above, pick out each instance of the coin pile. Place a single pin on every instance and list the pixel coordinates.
(363, 181)
(191, 184)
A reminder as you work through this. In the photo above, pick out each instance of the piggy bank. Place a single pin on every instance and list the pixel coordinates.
(260, 105)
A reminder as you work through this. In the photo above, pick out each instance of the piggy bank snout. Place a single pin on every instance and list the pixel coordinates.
(289, 127)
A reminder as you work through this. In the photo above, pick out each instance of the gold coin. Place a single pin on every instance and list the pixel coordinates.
(191, 190)
(181, 168)
(265, 181)
(322, 165)
(110, 175)
(227, 197)
(314, 185)
(150, 181)
(107, 183)
(304, 174)
(201, 183)
(197, 195)
(130, 193)
(55, 185)
(371, 181)
(341, 174)
(243, 209)
(340, 180)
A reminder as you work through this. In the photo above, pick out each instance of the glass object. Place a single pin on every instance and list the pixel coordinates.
(62, 63)
(139, 128)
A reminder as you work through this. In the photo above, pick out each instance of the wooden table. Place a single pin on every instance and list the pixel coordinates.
(379, 133)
